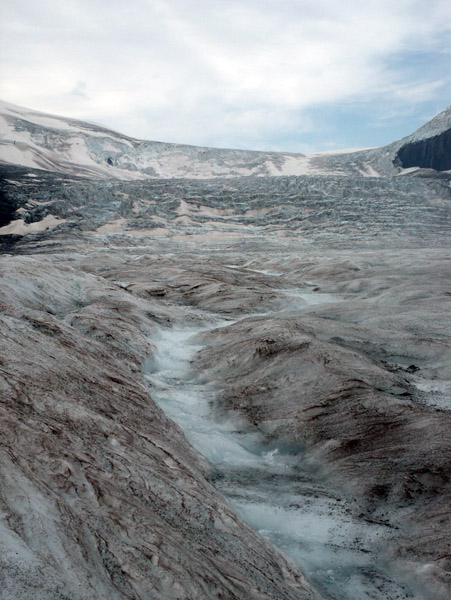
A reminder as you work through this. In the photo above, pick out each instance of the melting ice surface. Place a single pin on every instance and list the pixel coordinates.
(269, 487)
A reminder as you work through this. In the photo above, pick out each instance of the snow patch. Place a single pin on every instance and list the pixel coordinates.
(19, 227)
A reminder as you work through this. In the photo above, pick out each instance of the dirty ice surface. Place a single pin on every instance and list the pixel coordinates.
(269, 486)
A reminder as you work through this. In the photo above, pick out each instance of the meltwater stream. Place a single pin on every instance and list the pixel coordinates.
(268, 486)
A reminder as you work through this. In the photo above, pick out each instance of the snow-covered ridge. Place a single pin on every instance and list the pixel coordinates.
(38, 140)
(435, 126)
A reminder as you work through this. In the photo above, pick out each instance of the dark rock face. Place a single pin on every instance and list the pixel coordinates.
(431, 153)
(8, 201)
(7, 208)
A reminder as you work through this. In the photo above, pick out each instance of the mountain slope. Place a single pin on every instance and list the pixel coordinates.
(38, 140)
(431, 140)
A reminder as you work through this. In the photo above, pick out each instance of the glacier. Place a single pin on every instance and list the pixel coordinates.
(223, 374)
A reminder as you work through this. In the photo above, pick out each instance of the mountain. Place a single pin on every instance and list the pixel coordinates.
(42, 141)
(38, 140)
(428, 147)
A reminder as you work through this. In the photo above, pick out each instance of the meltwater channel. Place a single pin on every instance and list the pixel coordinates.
(271, 487)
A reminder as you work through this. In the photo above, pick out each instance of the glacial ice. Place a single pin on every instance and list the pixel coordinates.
(270, 487)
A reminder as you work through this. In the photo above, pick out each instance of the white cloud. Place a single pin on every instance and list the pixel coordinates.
(224, 72)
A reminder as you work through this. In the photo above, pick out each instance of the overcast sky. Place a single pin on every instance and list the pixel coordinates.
(297, 75)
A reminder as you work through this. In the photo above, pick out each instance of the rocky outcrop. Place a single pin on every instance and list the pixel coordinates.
(430, 153)
(389, 160)
(7, 208)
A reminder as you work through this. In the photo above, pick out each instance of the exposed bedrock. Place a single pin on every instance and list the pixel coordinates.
(430, 153)
(101, 495)
(7, 209)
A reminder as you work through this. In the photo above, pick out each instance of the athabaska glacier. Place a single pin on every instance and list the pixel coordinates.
(217, 386)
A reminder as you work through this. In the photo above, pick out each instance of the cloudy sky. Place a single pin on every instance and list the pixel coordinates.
(297, 75)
